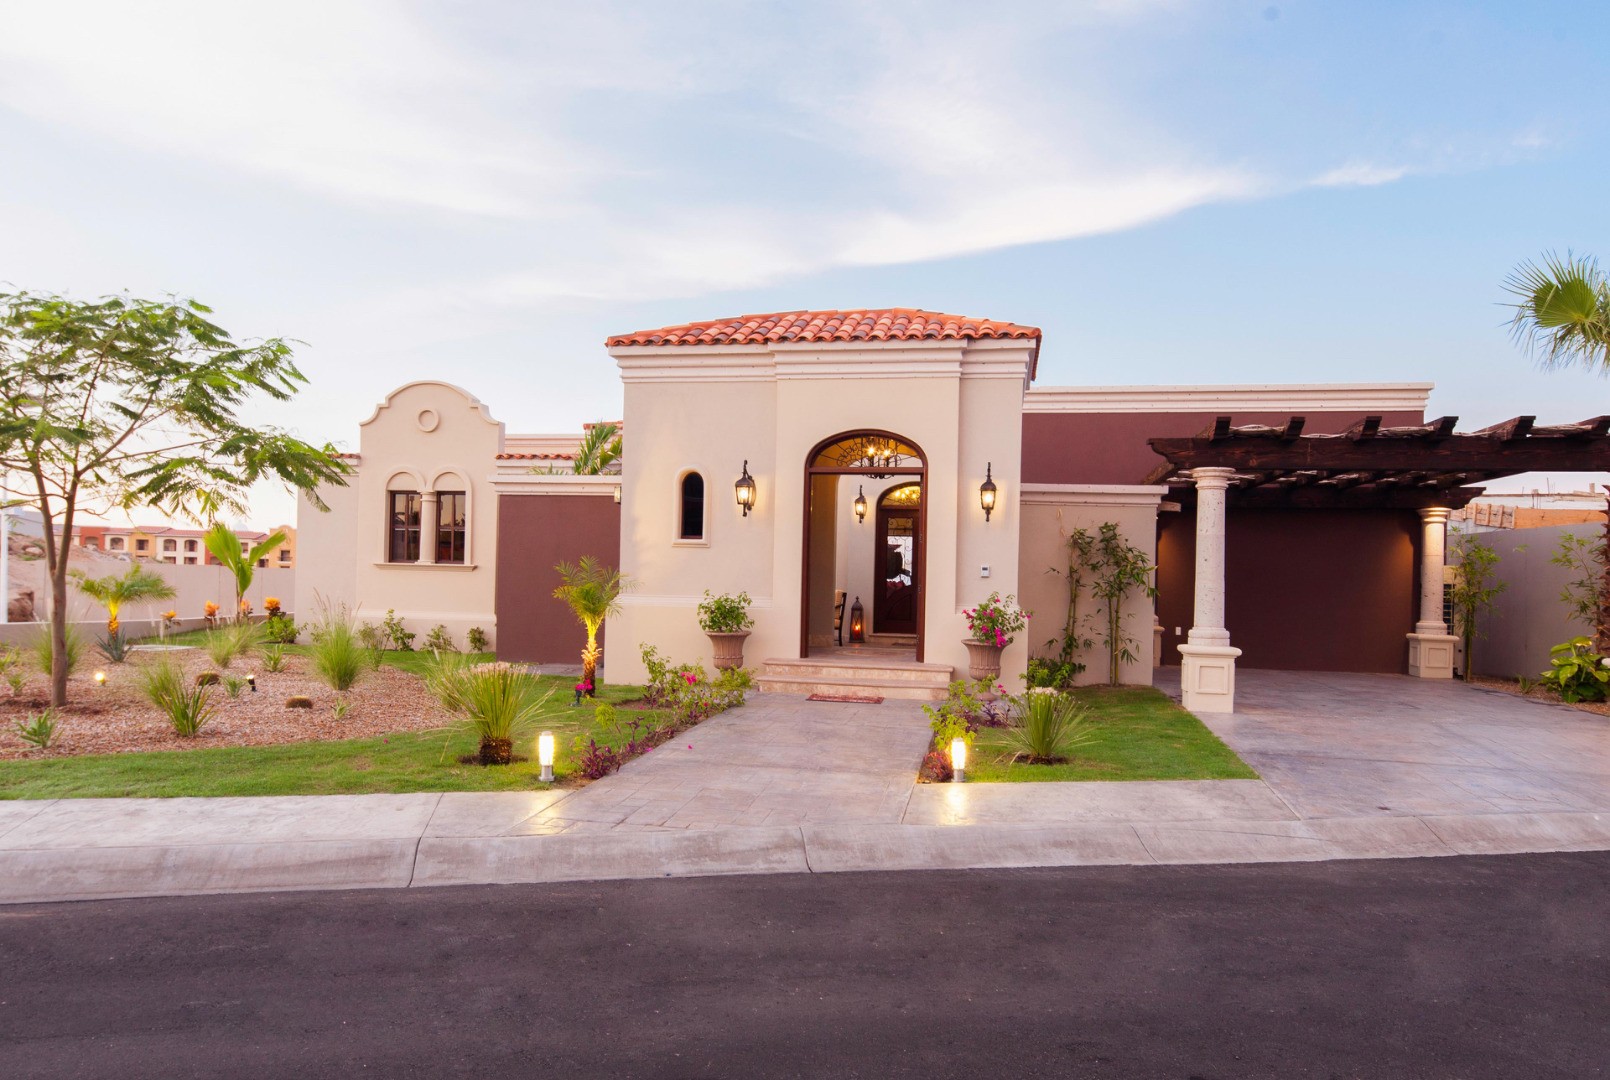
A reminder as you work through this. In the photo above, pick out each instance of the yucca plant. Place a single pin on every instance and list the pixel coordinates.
(498, 701)
(337, 652)
(273, 658)
(39, 731)
(187, 707)
(1049, 727)
(593, 592)
(223, 644)
(115, 590)
(44, 654)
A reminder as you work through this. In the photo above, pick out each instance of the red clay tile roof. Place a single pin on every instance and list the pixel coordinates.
(886, 324)
(512, 456)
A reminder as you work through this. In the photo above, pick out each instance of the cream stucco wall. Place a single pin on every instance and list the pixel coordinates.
(713, 407)
(1050, 512)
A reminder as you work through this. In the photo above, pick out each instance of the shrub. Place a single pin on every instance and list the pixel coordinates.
(233, 685)
(38, 731)
(339, 658)
(11, 669)
(936, 767)
(280, 629)
(439, 640)
(476, 639)
(401, 638)
(725, 614)
(614, 743)
(298, 702)
(1050, 726)
(964, 704)
(373, 638)
(273, 658)
(688, 691)
(1577, 672)
(115, 647)
(227, 642)
(207, 678)
(44, 651)
(497, 701)
(188, 708)
(340, 709)
(1057, 674)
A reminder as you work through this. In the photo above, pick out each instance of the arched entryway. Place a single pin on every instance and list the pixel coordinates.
(861, 456)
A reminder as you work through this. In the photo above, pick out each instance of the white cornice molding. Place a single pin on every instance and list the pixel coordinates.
(1261, 397)
(836, 360)
(1093, 494)
(759, 603)
(516, 478)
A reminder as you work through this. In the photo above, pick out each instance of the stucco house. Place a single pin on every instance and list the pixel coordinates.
(1297, 526)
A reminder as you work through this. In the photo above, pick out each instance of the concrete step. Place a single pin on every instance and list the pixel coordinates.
(848, 687)
(861, 677)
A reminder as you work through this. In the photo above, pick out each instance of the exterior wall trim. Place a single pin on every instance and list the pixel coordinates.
(1269, 397)
(1094, 494)
(517, 479)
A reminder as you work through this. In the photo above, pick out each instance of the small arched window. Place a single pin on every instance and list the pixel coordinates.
(692, 516)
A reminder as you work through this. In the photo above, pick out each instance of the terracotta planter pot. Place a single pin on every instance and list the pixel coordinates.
(984, 660)
(728, 649)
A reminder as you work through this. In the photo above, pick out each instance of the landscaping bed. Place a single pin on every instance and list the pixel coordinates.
(1535, 691)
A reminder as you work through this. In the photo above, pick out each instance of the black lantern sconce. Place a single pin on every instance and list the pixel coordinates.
(986, 492)
(745, 487)
(860, 506)
(857, 622)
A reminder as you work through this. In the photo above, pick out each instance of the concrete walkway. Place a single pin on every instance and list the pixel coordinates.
(1353, 766)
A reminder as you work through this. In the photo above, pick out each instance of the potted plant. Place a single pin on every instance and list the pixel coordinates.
(992, 624)
(726, 619)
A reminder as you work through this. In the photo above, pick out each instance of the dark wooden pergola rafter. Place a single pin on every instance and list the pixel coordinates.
(1415, 466)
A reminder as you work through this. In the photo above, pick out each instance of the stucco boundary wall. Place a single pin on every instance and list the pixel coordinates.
(1528, 617)
(1050, 512)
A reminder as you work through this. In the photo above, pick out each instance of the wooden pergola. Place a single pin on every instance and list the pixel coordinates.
(1373, 466)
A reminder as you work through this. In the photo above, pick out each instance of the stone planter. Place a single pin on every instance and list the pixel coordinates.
(984, 662)
(728, 649)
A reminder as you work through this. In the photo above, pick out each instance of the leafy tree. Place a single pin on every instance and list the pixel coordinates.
(224, 544)
(122, 403)
(1562, 317)
(1475, 591)
(115, 590)
(1584, 594)
(1118, 568)
(593, 592)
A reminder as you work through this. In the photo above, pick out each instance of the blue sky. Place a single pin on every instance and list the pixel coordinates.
(1175, 191)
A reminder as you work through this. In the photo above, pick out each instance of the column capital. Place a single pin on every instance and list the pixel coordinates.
(1435, 515)
(1212, 477)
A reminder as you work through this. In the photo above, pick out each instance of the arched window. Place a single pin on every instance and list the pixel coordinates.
(692, 515)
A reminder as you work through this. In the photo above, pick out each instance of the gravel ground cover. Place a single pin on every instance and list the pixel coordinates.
(117, 718)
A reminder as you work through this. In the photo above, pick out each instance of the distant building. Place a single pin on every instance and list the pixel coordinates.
(162, 543)
(1533, 509)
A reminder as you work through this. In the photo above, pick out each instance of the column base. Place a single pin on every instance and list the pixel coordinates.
(1431, 655)
(1207, 678)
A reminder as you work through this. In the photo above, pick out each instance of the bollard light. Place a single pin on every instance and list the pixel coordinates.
(100, 678)
(545, 756)
(958, 760)
(251, 681)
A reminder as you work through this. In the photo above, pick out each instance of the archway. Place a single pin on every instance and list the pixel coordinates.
(874, 454)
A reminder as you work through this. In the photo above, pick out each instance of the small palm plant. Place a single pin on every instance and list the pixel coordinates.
(115, 590)
(498, 701)
(224, 545)
(1049, 728)
(599, 450)
(593, 592)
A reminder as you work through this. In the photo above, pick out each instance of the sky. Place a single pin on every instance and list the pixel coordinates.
(1176, 191)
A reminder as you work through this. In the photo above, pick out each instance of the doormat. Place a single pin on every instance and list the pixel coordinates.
(846, 697)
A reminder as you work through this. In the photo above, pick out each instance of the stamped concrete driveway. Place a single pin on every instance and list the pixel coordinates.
(1348, 745)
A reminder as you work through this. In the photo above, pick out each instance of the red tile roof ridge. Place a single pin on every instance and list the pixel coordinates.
(860, 324)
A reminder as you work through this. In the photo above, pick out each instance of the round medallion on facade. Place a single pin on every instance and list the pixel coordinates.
(428, 420)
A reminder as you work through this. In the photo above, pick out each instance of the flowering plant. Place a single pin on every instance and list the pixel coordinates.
(210, 609)
(170, 616)
(271, 604)
(995, 620)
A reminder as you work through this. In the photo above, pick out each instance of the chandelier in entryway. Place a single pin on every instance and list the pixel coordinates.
(873, 452)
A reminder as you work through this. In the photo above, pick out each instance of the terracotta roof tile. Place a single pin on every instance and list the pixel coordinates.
(535, 457)
(884, 324)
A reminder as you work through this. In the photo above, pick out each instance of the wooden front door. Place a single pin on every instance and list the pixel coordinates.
(897, 569)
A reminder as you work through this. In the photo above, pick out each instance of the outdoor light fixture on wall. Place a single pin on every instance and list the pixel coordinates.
(986, 491)
(745, 487)
(617, 494)
(860, 506)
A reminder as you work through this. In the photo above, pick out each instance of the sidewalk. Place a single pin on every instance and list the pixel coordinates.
(785, 786)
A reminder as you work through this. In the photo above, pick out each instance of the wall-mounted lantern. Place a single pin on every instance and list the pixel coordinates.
(860, 507)
(745, 487)
(986, 491)
(857, 622)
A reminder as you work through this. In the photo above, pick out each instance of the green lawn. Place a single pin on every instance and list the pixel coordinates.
(1140, 735)
(412, 761)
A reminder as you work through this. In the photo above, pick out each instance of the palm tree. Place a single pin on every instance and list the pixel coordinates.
(225, 546)
(1562, 318)
(600, 448)
(114, 590)
(593, 592)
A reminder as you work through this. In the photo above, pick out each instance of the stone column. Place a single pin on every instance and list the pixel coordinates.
(429, 514)
(1207, 673)
(1431, 647)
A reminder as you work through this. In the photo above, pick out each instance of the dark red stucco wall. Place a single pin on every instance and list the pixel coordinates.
(1110, 448)
(1305, 590)
(535, 534)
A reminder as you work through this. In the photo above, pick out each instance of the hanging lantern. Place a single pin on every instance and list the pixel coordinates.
(745, 488)
(986, 491)
(857, 622)
(860, 506)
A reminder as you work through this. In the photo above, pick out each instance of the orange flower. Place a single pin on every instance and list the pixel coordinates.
(210, 608)
(271, 604)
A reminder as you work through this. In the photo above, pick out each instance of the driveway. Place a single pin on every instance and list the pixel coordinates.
(1346, 745)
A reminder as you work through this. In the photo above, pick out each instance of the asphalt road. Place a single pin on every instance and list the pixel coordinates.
(1451, 967)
